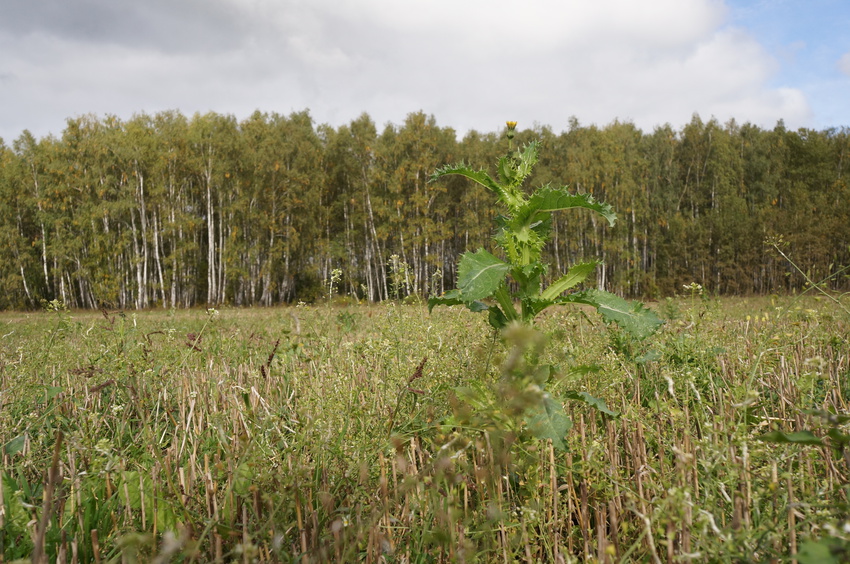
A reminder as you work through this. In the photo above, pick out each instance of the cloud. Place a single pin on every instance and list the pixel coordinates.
(472, 63)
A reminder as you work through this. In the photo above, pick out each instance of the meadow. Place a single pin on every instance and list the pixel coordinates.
(341, 432)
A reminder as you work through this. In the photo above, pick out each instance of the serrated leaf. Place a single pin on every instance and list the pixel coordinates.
(799, 437)
(548, 199)
(632, 317)
(594, 402)
(573, 277)
(450, 298)
(549, 421)
(535, 305)
(479, 176)
(527, 159)
(479, 275)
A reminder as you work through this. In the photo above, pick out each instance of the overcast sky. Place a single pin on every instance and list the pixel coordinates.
(473, 64)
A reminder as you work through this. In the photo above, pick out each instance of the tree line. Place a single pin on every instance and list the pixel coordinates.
(169, 211)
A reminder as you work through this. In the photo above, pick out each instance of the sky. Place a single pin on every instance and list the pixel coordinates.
(472, 64)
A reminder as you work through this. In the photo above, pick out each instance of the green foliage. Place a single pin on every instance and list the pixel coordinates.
(485, 282)
(176, 211)
(524, 229)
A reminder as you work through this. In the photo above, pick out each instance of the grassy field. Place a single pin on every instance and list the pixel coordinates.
(385, 434)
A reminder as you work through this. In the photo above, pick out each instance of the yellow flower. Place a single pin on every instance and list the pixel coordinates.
(511, 125)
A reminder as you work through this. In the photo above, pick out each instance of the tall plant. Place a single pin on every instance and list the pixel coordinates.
(484, 285)
(524, 227)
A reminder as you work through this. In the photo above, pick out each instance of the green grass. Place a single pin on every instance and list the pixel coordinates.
(307, 434)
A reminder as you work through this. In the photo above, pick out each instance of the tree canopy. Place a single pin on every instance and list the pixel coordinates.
(169, 211)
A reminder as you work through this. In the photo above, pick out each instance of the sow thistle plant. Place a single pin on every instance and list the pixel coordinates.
(487, 283)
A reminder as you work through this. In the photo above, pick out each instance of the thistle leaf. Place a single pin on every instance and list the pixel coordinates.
(497, 318)
(479, 176)
(527, 159)
(800, 437)
(597, 403)
(479, 275)
(450, 298)
(549, 421)
(632, 317)
(575, 276)
(549, 199)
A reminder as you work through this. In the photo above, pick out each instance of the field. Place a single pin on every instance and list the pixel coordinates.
(343, 432)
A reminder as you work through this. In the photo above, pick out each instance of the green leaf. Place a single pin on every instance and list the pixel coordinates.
(479, 275)
(548, 199)
(649, 356)
(52, 391)
(479, 176)
(450, 298)
(497, 318)
(838, 437)
(14, 446)
(242, 478)
(575, 276)
(514, 168)
(549, 421)
(527, 159)
(827, 550)
(632, 317)
(597, 403)
(800, 437)
(17, 516)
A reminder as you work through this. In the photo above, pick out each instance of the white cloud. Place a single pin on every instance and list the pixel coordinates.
(472, 63)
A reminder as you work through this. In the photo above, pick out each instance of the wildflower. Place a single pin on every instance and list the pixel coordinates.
(511, 129)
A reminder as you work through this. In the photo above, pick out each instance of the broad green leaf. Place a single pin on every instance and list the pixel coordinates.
(829, 550)
(800, 437)
(649, 356)
(133, 490)
(597, 403)
(632, 317)
(52, 391)
(575, 276)
(14, 446)
(549, 421)
(242, 478)
(549, 199)
(479, 275)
